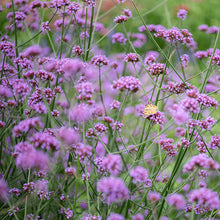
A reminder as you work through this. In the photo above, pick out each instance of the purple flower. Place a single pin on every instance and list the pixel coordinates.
(44, 75)
(113, 189)
(176, 200)
(127, 13)
(90, 3)
(139, 109)
(118, 124)
(115, 104)
(139, 174)
(201, 160)
(120, 1)
(120, 19)
(45, 27)
(131, 57)
(177, 88)
(100, 60)
(200, 54)
(157, 118)
(137, 217)
(29, 187)
(203, 27)
(149, 59)
(129, 83)
(185, 143)
(68, 135)
(32, 159)
(23, 147)
(191, 105)
(20, 88)
(91, 217)
(32, 51)
(215, 142)
(12, 211)
(206, 200)
(77, 50)
(80, 113)
(114, 216)
(154, 196)
(68, 213)
(118, 37)
(179, 115)
(167, 145)
(182, 14)
(185, 60)
(113, 164)
(3, 190)
(207, 101)
(212, 30)
(73, 8)
(83, 151)
(45, 141)
(25, 126)
(84, 35)
(70, 171)
(207, 123)
(156, 69)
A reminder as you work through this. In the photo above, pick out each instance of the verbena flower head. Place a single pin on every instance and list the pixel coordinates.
(127, 13)
(201, 160)
(182, 14)
(3, 190)
(131, 57)
(118, 37)
(139, 174)
(45, 27)
(114, 216)
(120, 19)
(45, 141)
(80, 113)
(154, 196)
(177, 201)
(128, 83)
(73, 8)
(137, 217)
(68, 135)
(25, 126)
(33, 159)
(215, 142)
(100, 60)
(203, 27)
(205, 199)
(113, 189)
(113, 164)
(156, 69)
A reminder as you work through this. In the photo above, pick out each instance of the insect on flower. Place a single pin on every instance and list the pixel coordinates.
(149, 109)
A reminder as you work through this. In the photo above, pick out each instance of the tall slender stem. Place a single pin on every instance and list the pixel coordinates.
(100, 89)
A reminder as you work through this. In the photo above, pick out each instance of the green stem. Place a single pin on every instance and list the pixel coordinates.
(90, 34)
(25, 209)
(100, 90)
(62, 35)
(16, 37)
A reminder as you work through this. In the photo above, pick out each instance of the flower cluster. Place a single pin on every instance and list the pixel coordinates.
(129, 83)
(113, 189)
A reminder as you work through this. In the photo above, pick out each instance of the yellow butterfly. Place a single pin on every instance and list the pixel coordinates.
(150, 109)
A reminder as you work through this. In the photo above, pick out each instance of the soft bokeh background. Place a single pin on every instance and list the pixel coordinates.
(157, 12)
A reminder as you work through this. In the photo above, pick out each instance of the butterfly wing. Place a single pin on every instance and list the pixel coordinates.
(150, 109)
